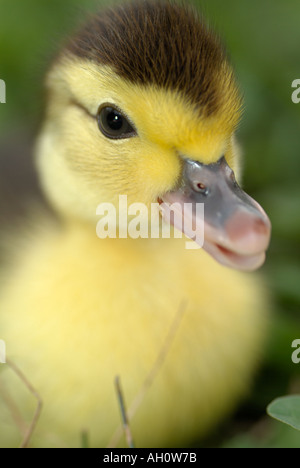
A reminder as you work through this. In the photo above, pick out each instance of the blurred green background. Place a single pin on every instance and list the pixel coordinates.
(263, 38)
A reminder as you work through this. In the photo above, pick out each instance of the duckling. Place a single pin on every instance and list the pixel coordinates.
(141, 102)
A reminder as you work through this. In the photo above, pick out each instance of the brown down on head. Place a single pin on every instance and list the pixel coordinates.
(160, 43)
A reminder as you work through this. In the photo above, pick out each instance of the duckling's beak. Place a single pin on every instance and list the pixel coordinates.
(236, 228)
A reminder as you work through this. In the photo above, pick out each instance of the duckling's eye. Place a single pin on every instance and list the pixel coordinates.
(113, 124)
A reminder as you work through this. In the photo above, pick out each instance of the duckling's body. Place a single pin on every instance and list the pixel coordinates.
(76, 310)
(98, 313)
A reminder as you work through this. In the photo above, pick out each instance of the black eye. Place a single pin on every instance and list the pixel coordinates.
(113, 124)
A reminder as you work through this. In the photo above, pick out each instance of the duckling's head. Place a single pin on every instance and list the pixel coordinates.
(142, 102)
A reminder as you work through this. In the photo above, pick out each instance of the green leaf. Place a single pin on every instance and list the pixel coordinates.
(287, 410)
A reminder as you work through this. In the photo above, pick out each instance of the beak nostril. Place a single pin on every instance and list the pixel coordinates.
(200, 187)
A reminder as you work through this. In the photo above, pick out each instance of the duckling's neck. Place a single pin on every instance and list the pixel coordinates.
(122, 240)
(79, 231)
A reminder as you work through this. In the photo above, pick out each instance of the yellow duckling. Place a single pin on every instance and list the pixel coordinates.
(142, 102)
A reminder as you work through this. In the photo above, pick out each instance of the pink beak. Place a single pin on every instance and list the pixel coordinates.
(236, 228)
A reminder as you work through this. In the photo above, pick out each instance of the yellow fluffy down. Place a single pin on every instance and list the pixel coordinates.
(80, 310)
